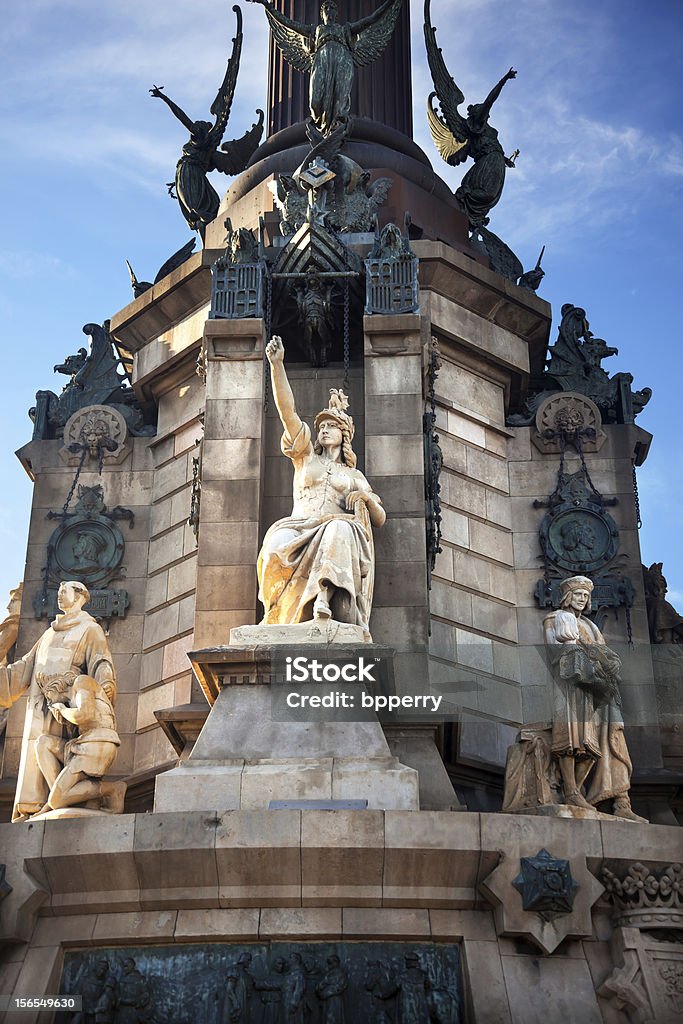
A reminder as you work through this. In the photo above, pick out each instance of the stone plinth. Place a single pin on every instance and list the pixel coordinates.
(251, 751)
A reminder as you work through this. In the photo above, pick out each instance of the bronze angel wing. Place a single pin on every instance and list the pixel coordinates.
(372, 38)
(220, 108)
(234, 156)
(295, 45)
(449, 130)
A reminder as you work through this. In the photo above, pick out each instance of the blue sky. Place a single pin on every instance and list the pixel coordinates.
(595, 111)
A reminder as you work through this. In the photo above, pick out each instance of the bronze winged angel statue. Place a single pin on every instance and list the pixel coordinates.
(331, 51)
(198, 199)
(457, 137)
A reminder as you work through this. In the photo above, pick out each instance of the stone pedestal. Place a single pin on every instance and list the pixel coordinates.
(249, 753)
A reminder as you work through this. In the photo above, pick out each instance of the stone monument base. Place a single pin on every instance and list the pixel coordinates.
(255, 784)
(567, 811)
(317, 631)
(319, 756)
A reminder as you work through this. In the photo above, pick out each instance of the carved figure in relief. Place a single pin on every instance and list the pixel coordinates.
(133, 995)
(271, 989)
(331, 990)
(74, 644)
(318, 563)
(331, 52)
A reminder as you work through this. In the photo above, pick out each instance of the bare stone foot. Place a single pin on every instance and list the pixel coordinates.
(623, 809)
(576, 799)
(112, 796)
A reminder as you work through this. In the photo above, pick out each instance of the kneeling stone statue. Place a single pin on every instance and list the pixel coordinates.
(70, 739)
(583, 751)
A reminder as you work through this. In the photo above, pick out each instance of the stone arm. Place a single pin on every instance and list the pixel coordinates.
(15, 679)
(173, 107)
(495, 93)
(94, 658)
(373, 502)
(83, 712)
(282, 392)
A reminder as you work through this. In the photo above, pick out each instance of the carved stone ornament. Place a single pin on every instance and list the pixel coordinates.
(647, 897)
(560, 417)
(577, 535)
(96, 377)
(87, 546)
(646, 982)
(237, 277)
(101, 430)
(512, 888)
(546, 885)
(391, 274)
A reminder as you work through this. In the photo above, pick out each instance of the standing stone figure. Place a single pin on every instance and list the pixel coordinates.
(74, 643)
(318, 563)
(331, 52)
(586, 738)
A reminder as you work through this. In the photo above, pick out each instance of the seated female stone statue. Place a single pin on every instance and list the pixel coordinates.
(318, 563)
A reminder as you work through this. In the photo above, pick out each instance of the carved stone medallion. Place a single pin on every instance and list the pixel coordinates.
(570, 415)
(546, 885)
(99, 428)
(580, 540)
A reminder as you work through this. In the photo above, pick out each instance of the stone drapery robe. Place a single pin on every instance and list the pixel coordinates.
(319, 542)
(577, 652)
(74, 642)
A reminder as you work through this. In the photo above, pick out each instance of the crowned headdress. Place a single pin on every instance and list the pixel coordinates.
(336, 411)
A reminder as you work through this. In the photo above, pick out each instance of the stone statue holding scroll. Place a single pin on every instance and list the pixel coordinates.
(318, 563)
(584, 745)
(70, 680)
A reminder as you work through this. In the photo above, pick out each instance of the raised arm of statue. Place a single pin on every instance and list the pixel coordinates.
(175, 109)
(287, 23)
(357, 26)
(282, 392)
(495, 92)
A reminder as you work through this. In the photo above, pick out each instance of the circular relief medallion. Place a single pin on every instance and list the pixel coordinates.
(579, 540)
(572, 415)
(100, 427)
(89, 550)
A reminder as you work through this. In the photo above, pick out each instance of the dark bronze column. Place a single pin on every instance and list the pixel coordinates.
(382, 91)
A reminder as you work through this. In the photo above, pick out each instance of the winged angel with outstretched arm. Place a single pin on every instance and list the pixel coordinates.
(458, 138)
(330, 52)
(198, 199)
